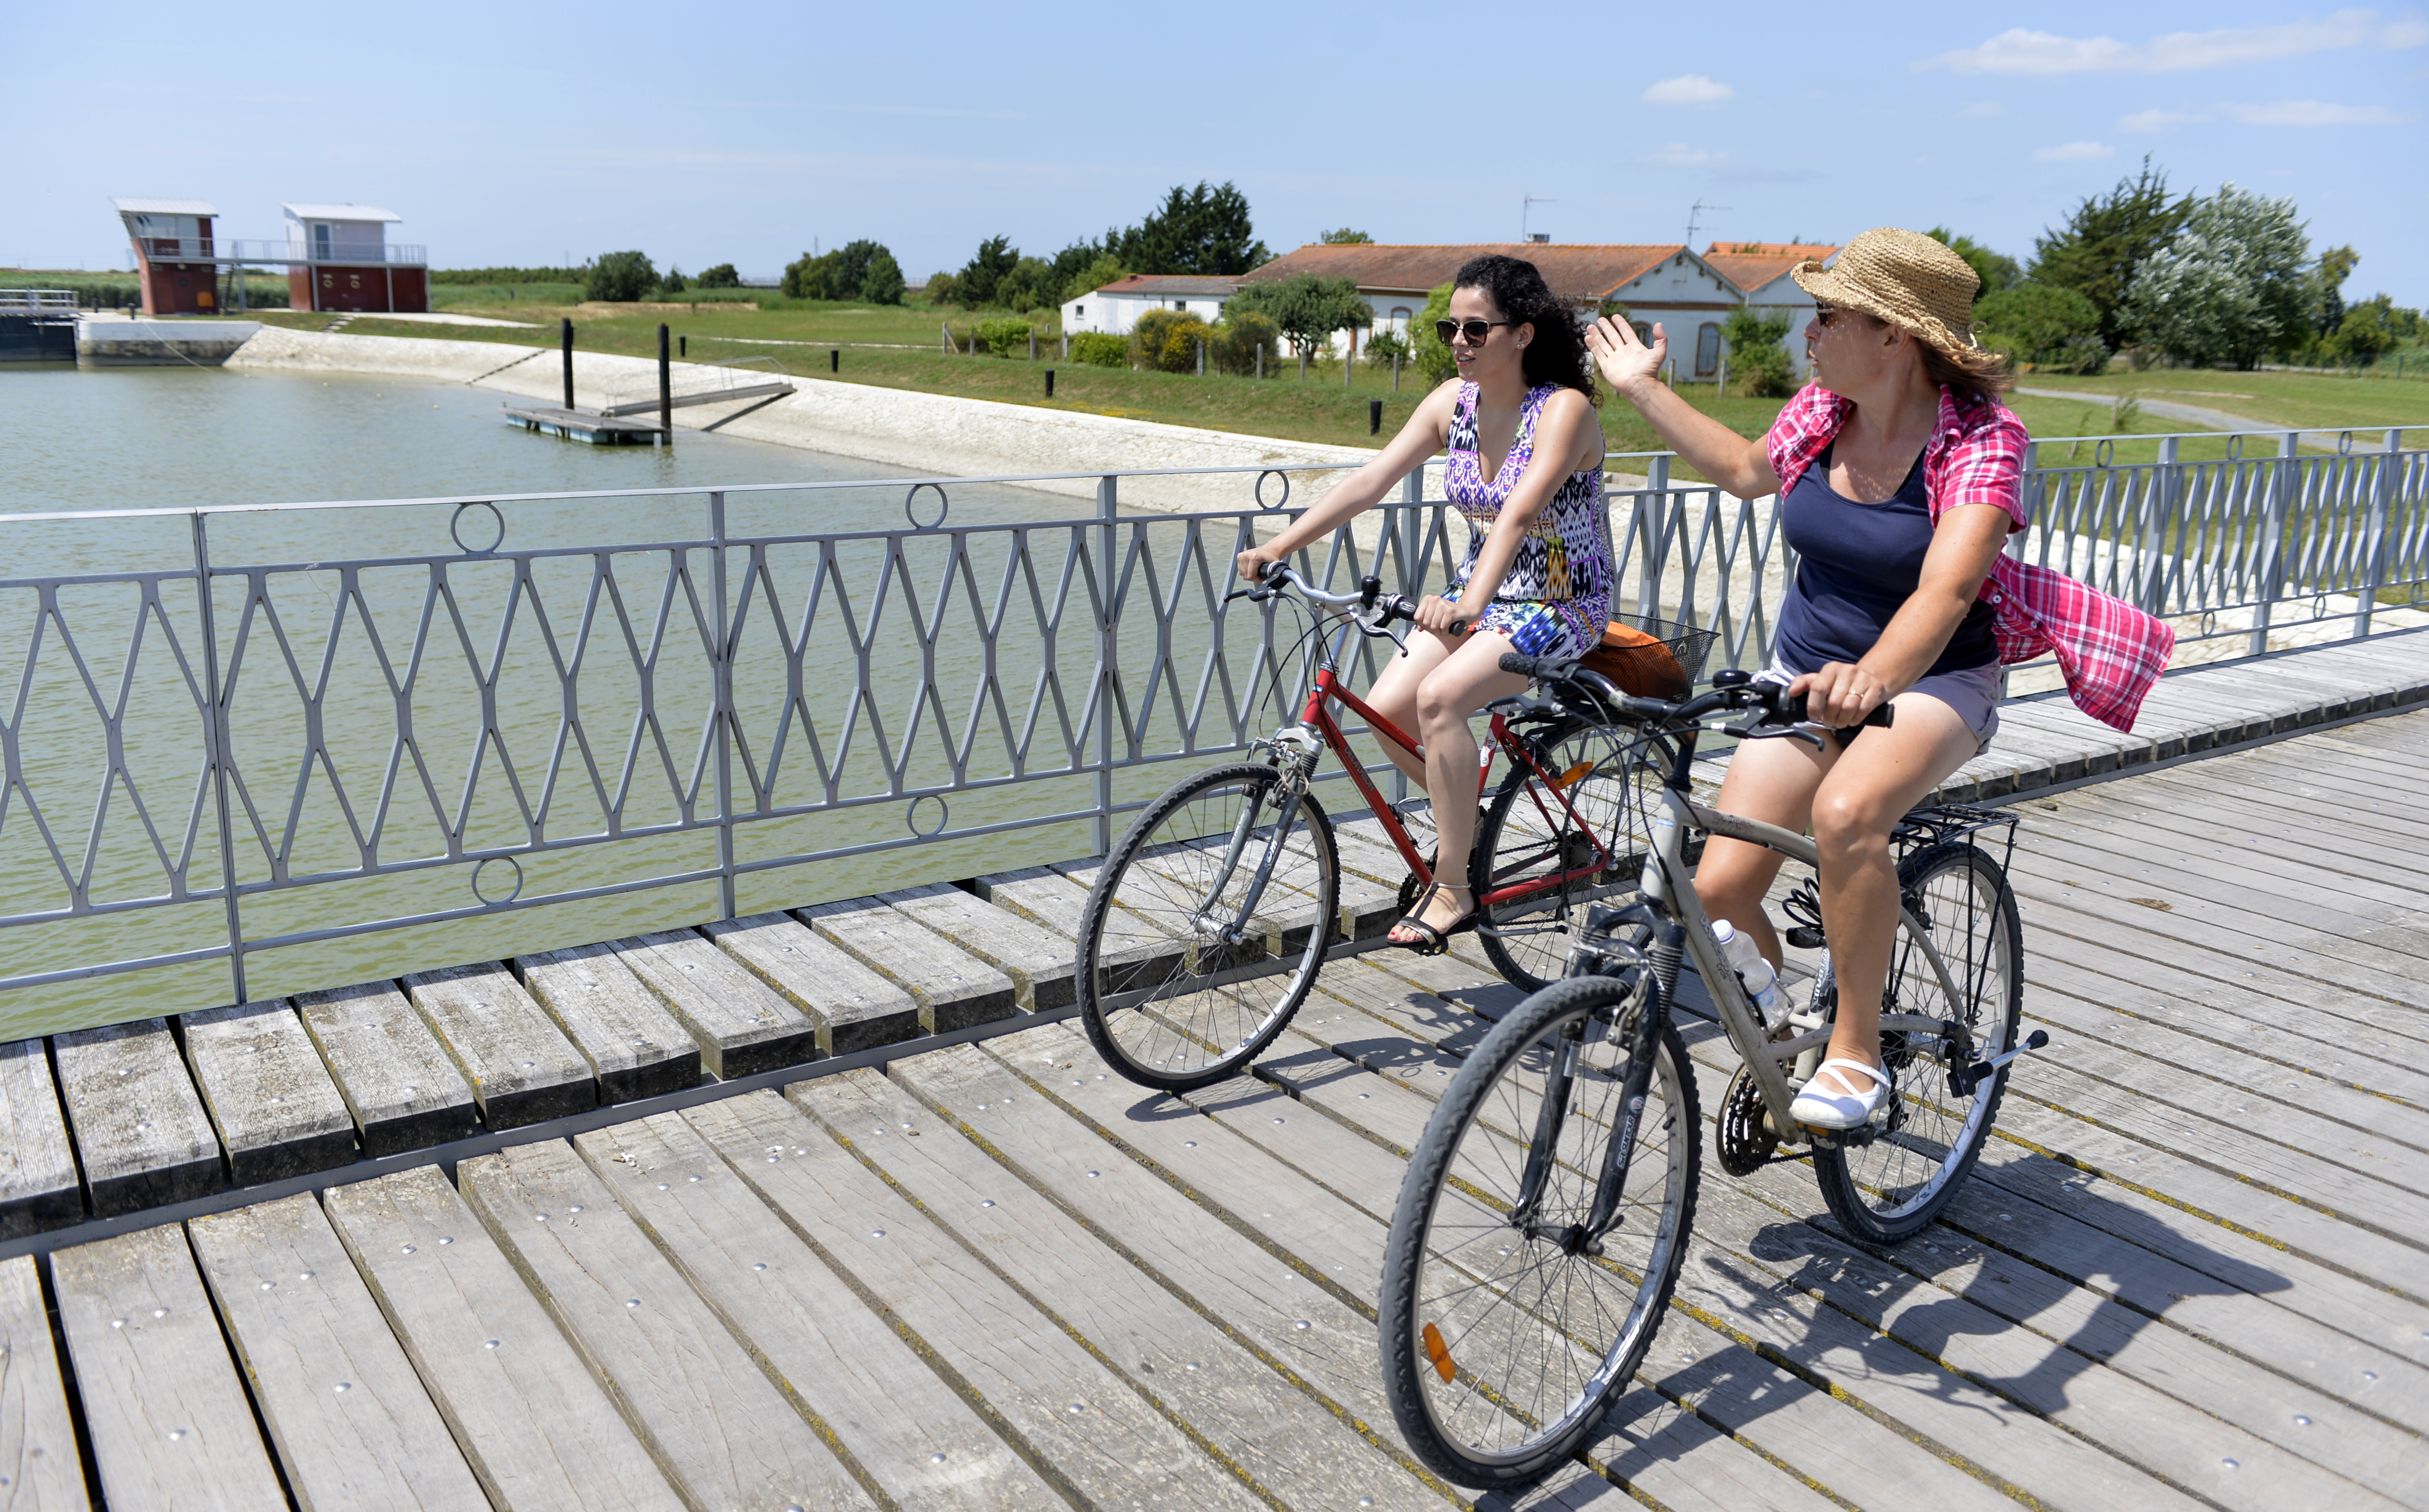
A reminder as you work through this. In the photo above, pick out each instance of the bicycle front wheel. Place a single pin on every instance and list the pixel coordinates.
(1552, 845)
(1508, 1327)
(1889, 1188)
(1179, 982)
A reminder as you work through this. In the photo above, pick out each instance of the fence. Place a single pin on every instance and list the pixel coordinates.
(225, 749)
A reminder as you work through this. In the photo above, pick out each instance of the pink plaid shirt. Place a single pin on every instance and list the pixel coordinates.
(2111, 651)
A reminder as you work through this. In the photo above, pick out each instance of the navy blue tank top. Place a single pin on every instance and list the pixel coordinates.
(1857, 565)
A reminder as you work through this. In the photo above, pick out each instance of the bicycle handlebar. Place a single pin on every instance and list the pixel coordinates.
(1390, 605)
(1778, 705)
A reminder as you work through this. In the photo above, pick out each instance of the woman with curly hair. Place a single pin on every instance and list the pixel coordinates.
(1525, 468)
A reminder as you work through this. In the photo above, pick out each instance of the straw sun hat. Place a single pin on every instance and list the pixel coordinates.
(1904, 277)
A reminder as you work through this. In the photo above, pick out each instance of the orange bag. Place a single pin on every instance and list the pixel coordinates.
(1638, 663)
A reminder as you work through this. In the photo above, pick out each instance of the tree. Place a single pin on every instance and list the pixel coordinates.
(1996, 270)
(1101, 270)
(1426, 349)
(1307, 308)
(883, 283)
(1344, 238)
(619, 277)
(2328, 285)
(808, 277)
(720, 276)
(2042, 325)
(1757, 353)
(2233, 287)
(976, 284)
(2105, 242)
(1028, 285)
(1204, 231)
(2372, 328)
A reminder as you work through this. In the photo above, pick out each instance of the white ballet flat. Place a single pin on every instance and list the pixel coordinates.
(1833, 1109)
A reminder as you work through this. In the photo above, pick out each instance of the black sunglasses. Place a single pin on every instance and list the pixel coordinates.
(1476, 329)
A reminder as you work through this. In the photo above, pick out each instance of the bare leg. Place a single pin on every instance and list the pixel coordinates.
(1861, 797)
(1773, 780)
(1393, 694)
(1466, 680)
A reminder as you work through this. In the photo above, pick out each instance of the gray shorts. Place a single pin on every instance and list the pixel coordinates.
(1972, 692)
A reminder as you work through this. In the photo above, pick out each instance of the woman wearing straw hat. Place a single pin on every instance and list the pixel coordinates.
(1898, 472)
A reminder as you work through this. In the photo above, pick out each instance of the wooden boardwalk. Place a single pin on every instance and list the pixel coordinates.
(2191, 1270)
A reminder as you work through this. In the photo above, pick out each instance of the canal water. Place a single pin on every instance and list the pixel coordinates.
(364, 622)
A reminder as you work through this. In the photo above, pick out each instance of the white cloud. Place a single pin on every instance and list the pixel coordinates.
(1678, 155)
(2022, 51)
(2074, 152)
(2280, 113)
(1690, 88)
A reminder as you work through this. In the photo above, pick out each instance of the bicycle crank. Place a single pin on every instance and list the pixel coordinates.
(1743, 1140)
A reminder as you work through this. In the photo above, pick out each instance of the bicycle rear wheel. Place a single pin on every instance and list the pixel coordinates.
(1549, 849)
(1504, 1336)
(1167, 996)
(1890, 1187)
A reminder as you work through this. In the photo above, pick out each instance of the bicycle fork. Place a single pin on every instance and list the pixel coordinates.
(1304, 751)
(1644, 1032)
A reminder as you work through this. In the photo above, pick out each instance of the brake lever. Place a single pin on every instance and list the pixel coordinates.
(1779, 733)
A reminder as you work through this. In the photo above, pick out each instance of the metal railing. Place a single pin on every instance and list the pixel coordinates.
(228, 250)
(224, 742)
(24, 301)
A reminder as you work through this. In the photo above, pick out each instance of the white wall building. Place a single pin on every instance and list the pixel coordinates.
(1116, 308)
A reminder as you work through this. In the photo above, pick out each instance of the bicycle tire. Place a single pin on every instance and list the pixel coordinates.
(1187, 1007)
(1523, 834)
(1891, 1188)
(1522, 1365)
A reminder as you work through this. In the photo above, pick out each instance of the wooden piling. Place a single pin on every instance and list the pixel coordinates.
(665, 390)
(569, 364)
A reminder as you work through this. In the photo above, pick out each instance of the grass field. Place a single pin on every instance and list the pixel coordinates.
(899, 347)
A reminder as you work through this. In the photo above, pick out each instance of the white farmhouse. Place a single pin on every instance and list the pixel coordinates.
(1116, 308)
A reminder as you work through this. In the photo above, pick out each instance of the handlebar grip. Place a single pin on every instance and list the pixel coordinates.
(1273, 572)
(1458, 628)
(1791, 707)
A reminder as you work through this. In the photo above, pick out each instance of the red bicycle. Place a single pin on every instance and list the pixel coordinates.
(1208, 923)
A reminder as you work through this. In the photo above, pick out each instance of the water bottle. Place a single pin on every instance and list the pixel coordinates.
(1762, 982)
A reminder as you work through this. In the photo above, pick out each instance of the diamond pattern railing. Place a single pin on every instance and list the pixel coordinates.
(217, 763)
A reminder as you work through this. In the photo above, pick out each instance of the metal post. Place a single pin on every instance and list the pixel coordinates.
(2381, 498)
(835, 359)
(1066, 347)
(1261, 359)
(1050, 383)
(1374, 416)
(1033, 345)
(215, 731)
(2158, 517)
(665, 391)
(569, 364)
(1411, 525)
(1201, 359)
(1396, 372)
(1349, 361)
(1107, 500)
(682, 347)
(722, 674)
(2283, 479)
(1651, 523)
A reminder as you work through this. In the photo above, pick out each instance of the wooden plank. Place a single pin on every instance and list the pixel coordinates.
(277, 1111)
(350, 1421)
(854, 1007)
(169, 1420)
(1135, 954)
(39, 1185)
(1092, 1426)
(635, 1047)
(521, 1068)
(741, 1025)
(1039, 962)
(842, 1365)
(39, 1465)
(400, 1085)
(690, 1391)
(141, 1132)
(2225, 867)
(1223, 1271)
(954, 988)
(1285, 1439)
(535, 1427)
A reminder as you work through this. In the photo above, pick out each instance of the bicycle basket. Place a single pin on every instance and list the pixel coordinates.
(1651, 658)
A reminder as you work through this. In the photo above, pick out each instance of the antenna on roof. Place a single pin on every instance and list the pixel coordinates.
(1526, 207)
(1694, 213)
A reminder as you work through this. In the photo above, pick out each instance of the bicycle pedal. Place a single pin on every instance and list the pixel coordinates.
(1803, 937)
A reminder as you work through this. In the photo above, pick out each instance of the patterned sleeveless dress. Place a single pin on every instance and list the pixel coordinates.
(1555, 597)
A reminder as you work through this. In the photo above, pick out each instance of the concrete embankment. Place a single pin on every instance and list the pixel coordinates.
(160, 343)
(933, 433)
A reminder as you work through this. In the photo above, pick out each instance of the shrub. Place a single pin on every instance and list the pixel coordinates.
(1433, 358)
(720, 276)
(1236, 341)
(674, 283)
(1167, 341)
(1006, 336)
(1100, 349)
(883, 283)
(1384, 348)
(619, 277)
(942, 288)
(1758, 354)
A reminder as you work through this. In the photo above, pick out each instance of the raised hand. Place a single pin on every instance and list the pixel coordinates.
(1624, 359)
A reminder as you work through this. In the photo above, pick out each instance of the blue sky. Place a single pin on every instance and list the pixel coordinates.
(740, 133)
